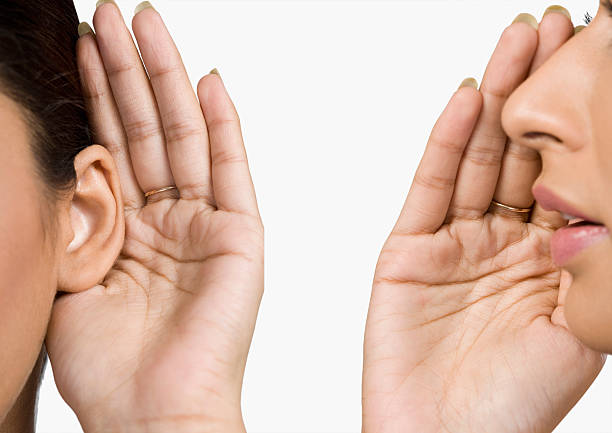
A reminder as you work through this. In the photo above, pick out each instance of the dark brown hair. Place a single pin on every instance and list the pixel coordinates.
(38, 70)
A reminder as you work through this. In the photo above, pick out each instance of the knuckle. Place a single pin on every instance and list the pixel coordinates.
(434, 182)
(224, 157)
(465, 212)
(112, 138)
(192, 191)
(521, 152)
(94, 89)
(501, 93)
(183, 130)
(484, 155)
(448, 145)
(164, 72)
(141, 130)
(121, 69)
(222, 122)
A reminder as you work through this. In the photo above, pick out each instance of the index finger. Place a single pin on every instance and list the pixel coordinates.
(521, 165)
(427, 203)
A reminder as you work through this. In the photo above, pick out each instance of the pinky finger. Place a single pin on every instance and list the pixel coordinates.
(427, 203)
(232, 184)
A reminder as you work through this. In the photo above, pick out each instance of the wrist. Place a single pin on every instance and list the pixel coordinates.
(177, 424)
(135, 422)
(156, 403)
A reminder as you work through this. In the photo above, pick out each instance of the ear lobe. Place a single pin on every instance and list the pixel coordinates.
(95, 226)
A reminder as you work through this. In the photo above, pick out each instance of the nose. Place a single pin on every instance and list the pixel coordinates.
(548, 109)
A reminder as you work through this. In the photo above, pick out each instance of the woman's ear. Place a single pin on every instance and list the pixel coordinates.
(95, 228)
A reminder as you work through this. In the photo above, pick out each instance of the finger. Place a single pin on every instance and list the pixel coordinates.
(551, 220)
(135, 99)
(564, 284)
(232, 184)
(558, 315)
(479, 169)
(182, 118)
(432, 188)
(103, 114)
(553, 31)
(521, 165)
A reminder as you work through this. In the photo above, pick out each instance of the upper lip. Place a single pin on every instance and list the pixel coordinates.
(552, 202)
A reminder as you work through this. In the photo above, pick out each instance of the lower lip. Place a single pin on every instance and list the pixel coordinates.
(570, 240)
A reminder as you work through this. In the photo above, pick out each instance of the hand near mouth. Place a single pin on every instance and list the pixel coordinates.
(466, 330)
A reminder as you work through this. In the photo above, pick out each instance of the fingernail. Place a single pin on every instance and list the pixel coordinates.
(142, 6)
(527, 19)
(578, 29)
(101, 2)
(469, 82)
(559, 9)
(215, 71)
(84, 28)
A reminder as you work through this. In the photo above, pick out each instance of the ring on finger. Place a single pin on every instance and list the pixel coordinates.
(521, 214)
(159, 191)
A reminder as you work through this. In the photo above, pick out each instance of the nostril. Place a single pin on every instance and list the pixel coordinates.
(536, 136)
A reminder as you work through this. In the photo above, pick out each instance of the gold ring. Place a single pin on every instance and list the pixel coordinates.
(157, 191)
(521, 214)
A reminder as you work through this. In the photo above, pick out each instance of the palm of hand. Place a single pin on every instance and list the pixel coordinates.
(476, 306)
(161, 344)
(466, 330)
(172, 294)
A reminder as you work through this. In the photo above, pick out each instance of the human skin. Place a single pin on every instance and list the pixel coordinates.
(24, 322)
(161, 343)
(21, 417)
(571, 130)
(38, 253)
(466, 329)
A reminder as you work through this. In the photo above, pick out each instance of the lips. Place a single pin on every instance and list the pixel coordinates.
(568, 241)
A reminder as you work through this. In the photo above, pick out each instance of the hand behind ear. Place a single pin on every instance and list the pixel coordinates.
(161, 344)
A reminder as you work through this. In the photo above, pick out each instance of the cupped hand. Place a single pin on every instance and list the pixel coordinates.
(466, 330)
(161, 344)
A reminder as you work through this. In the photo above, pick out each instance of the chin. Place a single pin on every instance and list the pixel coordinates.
(588, 311)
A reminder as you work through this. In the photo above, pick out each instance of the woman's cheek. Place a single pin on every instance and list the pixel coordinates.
(26, 288)
(588, 305)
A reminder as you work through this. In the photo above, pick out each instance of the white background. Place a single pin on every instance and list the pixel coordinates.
(337, 100)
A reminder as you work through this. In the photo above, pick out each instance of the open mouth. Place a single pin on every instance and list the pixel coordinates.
(577, 236)
(579, 221)
(568, 241)
(580, 234)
